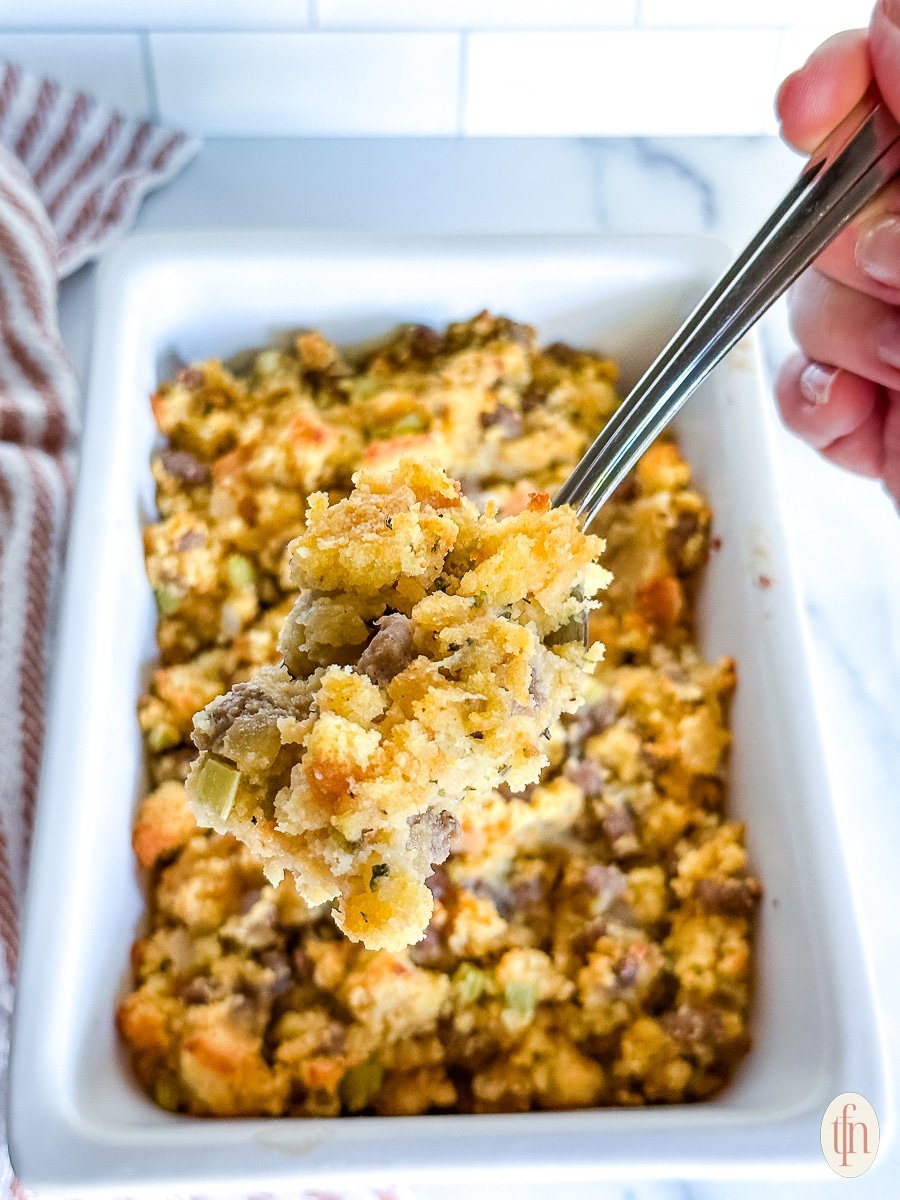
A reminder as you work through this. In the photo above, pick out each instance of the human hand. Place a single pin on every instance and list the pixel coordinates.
(842, 392)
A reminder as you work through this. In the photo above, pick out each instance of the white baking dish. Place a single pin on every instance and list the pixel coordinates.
(77, 1117)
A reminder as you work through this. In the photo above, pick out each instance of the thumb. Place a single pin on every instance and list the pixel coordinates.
(884, 51)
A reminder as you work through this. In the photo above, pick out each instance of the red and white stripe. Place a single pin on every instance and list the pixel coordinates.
(72, 174)
(37, 408)
(91, 167)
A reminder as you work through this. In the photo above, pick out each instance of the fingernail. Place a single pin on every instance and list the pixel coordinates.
(816, 382)
(887, 341)
(891, 9)
(878, 249)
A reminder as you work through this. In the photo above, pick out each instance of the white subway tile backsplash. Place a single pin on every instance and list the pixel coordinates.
(109, 65)
(155, 14)
(475, 14)
(630, 82)
(839, 14)
(532, 67)
(261, 84)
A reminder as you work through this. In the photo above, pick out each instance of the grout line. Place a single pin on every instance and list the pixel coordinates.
(314, 23)
(575, 27)
(316, 27)
(463, 84)
(149, 73)
(106, 31)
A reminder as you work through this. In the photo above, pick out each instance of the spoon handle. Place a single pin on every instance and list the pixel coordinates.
(855, 162)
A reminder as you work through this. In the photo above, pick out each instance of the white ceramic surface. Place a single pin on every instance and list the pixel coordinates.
(77, 1117)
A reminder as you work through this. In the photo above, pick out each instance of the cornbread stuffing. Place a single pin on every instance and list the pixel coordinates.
(417, 673)
(591, 935)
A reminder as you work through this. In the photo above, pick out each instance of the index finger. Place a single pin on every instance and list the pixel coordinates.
(813, 100)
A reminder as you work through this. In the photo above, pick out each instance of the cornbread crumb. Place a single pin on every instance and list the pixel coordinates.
(420, 637)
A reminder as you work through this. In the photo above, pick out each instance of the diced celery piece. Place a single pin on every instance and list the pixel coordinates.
(162, 737)
(410, 423)
(216, 785)
(360, 1084)
(344, 842)
(166, 1094)
(469, 982)
(365, 387)
(241, 572)
(167, 599)
(521, 997)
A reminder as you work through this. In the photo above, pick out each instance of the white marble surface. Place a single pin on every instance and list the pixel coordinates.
(844, 533)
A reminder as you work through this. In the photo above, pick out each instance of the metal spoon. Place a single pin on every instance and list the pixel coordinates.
(854, 163)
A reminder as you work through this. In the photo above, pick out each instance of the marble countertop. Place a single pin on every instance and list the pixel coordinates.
(844, 533)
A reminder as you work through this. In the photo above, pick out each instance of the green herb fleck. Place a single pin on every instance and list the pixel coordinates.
(379, 871)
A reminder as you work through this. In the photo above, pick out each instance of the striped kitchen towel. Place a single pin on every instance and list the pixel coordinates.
(72, 174)
(91, 167)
